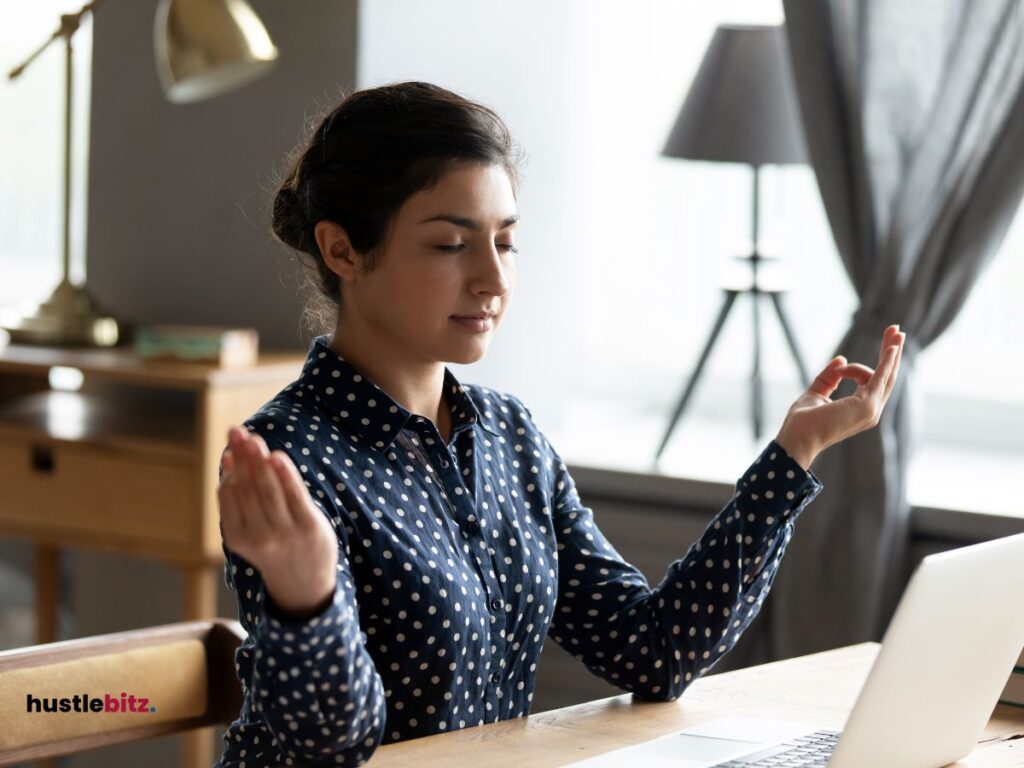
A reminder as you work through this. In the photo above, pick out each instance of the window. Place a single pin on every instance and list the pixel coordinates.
(653, 268)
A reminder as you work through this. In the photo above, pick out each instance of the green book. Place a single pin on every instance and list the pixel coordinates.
(214, 345)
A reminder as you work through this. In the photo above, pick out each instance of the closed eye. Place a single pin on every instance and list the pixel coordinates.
(509, 248)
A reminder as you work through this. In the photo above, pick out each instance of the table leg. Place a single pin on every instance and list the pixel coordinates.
(200, 603)
(47, 577)
(47, 573)
(200, 592)
(197, 748)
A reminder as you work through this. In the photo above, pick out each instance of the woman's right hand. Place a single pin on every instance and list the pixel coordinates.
(269, 518)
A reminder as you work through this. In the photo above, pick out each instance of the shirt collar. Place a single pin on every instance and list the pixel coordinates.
(367, 409)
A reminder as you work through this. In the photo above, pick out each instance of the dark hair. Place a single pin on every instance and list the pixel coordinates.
(364, 158)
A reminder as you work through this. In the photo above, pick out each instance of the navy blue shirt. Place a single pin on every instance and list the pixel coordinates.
(457, 560)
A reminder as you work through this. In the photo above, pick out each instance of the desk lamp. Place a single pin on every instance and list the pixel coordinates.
(741, 108)
(203, 48)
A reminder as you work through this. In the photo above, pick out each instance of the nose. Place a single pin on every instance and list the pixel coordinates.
(495, 273)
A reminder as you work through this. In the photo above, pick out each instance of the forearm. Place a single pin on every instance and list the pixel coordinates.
(657, 641)
(314, 681)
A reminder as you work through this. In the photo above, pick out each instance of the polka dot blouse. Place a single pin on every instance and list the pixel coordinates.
(457, 560)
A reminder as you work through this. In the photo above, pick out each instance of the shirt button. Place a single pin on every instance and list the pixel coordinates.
(444, 462)
(472, 526)
(496, 678)
(495, 603)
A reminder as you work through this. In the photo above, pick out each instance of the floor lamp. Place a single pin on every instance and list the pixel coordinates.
(741, 108)
(202, 48)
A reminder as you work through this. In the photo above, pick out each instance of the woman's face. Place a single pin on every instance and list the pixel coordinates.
(450, 254)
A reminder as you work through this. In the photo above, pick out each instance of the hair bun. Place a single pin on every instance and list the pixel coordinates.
(290, 224)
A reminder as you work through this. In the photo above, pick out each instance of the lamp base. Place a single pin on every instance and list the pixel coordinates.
(69, 318)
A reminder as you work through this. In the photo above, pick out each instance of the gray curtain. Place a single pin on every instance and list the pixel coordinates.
(914, 117)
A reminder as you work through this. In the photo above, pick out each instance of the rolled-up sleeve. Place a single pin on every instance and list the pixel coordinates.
(654, 642)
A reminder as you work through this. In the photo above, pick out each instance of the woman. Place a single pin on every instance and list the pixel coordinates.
(400, 543)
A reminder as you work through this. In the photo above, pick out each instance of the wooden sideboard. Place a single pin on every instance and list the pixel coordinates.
(126, 463)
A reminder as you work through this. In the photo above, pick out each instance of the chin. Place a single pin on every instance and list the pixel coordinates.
(468, 354)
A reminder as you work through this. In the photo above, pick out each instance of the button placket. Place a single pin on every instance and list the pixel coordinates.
(463, 509)
(491, 586)
(443, 461)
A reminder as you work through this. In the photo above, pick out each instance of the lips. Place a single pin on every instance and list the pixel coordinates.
(474, 324)
(483, 316)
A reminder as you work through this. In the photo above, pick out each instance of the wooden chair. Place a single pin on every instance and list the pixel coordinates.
(186, 672)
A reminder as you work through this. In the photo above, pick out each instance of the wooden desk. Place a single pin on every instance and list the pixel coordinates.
(819, 689)
(127, 463)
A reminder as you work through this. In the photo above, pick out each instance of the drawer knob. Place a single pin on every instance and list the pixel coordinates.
(42, 458)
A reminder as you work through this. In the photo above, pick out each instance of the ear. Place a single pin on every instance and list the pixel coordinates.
(336, 250)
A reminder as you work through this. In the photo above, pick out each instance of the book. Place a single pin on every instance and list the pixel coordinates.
(1013, 693)
(206, 344)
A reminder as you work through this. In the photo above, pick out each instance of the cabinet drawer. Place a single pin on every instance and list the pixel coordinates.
(81, 493)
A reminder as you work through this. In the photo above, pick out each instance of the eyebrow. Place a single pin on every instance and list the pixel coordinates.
(473, 224)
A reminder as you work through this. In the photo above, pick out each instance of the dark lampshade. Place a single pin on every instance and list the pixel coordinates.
(742, 106)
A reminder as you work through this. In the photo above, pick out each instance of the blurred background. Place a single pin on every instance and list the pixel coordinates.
(623, 254)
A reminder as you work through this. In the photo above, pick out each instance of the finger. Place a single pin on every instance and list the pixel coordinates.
(890, 381)
(888, 336)
(253, 492)
(231, 518)
(827, 381)
(859, 373)
(876, 386)
(249, 466)
(294, 488)
(227, 465)
(237, 439)
(268, 485)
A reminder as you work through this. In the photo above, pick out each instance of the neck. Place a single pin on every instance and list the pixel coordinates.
(413, 382)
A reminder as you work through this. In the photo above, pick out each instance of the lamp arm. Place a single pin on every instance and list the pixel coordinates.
(69, 24)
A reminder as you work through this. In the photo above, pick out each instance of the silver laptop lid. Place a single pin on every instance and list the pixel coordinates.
(955, 636)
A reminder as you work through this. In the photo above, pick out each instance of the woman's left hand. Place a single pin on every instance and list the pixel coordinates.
(814, 422)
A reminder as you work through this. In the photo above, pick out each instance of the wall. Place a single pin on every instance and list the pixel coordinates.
(178, 226)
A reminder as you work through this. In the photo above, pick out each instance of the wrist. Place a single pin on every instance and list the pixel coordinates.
(801, 452)
(306, 603)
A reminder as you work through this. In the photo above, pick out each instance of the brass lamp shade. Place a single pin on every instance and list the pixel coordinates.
(206, 47)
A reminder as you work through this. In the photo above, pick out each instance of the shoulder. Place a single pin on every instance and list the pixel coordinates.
(292, 424)
(295, 427)
(277, 419)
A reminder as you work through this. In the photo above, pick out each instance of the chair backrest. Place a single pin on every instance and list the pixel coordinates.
(74, 695)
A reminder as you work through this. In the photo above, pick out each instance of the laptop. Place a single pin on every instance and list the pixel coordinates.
(945, 657)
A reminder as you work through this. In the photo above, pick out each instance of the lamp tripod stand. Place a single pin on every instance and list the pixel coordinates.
(756, 292)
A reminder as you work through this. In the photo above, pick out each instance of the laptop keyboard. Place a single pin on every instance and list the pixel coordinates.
(810, 751)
